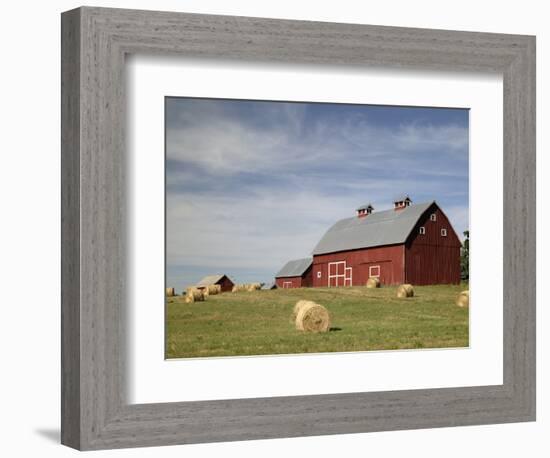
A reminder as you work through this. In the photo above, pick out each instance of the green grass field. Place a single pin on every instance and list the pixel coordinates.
(259, 322)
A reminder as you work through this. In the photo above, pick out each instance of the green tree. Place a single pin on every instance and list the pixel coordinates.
(465, 257)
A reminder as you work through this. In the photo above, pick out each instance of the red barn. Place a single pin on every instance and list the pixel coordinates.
(223, 280)
(407, 244)
(294, 274)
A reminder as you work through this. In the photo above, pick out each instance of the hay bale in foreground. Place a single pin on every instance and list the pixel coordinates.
(373, 282)
(312, 317)
(463, 299)
(170, 292)
(298, 306)
(194, 295)
(405, 290)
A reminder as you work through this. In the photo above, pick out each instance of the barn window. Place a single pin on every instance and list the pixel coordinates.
(444, 232)
(433, 217)
(319, 274)
(374, 271)
(422, 230)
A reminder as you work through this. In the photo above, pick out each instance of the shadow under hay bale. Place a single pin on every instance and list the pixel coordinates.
(463, 299)
(312, 317)
(373, 282)
(405, 290)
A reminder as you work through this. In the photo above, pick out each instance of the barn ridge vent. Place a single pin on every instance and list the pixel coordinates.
(401, 202)
(364, 210)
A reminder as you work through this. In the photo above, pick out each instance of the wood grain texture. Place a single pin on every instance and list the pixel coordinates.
(70, 229)
(95, 413)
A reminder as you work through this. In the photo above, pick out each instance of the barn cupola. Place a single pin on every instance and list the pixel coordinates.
(401, 202)
(364, 210)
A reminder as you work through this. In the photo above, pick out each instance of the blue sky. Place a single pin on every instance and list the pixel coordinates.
(252, 184)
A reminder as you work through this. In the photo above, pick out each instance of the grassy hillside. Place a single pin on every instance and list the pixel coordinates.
(259, 322)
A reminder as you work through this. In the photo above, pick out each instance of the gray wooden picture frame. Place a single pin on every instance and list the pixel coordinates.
(95, 413)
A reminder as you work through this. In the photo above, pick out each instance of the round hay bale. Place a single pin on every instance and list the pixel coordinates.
(298, 306)
(190, 288)
(463, 299)
(213, 289)
(194, 295)
(239, 287)
(218, 289)
(253, 286)
(373, 282)
(312, 317)
(405, 290)
(170, 292)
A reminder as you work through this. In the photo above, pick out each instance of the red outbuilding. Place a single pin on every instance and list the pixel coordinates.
(407, 244)
(219, 279)
(294, 274)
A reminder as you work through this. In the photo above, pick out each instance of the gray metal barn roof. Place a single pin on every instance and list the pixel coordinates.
(211, 280)
(294, 268)
(387, 227)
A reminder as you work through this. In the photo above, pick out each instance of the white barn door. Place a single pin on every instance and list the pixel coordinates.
(339, 274)
(348, 276)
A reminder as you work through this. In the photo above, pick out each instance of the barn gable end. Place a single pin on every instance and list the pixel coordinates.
(432, 250)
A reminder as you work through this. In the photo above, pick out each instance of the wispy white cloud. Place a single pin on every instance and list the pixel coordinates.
(224, 145)
(255, 231)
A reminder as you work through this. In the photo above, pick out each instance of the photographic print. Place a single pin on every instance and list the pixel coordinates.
(301, 227)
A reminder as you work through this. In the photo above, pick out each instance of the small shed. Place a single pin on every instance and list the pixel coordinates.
(270, 285)
(219, 279)
(295, 274)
